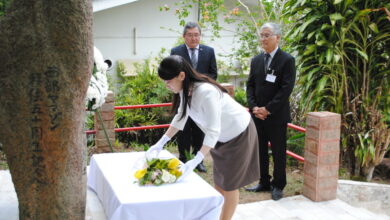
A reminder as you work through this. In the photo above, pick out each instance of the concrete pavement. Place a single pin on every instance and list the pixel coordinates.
(290, 208)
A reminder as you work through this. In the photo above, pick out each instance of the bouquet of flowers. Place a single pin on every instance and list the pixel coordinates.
(98, 85)
(158, 171)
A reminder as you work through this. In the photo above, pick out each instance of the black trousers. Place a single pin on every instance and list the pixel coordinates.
(276, 135)
(190, 136)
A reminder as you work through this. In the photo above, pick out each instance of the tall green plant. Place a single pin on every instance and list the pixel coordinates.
(344, 50)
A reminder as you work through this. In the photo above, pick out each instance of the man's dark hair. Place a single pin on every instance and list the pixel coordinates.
(191, 25)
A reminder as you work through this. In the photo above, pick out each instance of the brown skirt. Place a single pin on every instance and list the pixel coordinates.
(236, 162)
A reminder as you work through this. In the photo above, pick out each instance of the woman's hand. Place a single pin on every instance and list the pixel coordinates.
(156, 148)
(188, 167)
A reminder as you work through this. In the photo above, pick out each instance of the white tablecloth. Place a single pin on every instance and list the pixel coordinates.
(111, 176)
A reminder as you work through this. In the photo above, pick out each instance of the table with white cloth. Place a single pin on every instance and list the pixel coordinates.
(111, 176)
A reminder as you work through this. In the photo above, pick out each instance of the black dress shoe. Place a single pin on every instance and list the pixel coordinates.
(258, 188)
(201, 168)
(276, 193)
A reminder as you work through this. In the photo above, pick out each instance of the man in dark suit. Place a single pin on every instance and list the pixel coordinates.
(270, 83)
(203, 61)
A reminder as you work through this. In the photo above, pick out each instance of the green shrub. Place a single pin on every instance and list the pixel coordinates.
(295, 144)
(240, 96)
(144, 88)
(90, 125)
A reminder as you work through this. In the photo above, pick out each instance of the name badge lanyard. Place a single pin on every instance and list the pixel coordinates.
(271, 77)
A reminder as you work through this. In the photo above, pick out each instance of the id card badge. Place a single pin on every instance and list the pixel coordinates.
(270, 78)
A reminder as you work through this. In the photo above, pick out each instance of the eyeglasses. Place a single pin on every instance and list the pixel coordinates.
(193, 35)
(266, 36)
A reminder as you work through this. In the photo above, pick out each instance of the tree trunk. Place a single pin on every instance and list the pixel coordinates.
(368, 172)
(46, 53)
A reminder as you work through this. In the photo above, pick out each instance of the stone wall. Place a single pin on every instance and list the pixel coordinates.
(372, 196)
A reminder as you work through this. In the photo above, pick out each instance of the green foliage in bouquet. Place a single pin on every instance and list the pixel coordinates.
(158, 172)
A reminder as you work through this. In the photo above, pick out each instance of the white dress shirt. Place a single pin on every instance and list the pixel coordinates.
(217, 114)
(272, 54)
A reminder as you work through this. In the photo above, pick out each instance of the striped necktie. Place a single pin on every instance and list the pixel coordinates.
(266, 61)
(194, 61)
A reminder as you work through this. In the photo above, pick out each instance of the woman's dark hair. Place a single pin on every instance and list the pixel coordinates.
(170, 67)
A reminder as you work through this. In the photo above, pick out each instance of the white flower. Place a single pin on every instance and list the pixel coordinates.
(173, 178)
(167, 177)
(99, 61)
(98, 85)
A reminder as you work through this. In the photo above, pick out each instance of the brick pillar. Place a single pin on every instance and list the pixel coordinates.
(322, 148)
(229, 87)
(108, 118)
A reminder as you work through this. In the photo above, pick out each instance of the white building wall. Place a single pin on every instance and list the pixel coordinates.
(113, 30)
(139, 30)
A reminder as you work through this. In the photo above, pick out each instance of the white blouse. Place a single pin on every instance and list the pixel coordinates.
(217, 114)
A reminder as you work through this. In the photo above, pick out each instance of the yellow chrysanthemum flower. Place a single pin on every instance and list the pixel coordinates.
(140, 173)
(177, 173)
(173, 163)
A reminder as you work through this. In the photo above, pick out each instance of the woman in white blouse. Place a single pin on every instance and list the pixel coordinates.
(230, 134)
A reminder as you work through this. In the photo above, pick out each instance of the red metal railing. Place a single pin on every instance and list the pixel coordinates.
(295, 156)
(292, 154)
(292, 126)
(133, 128)
(142, 106)
(296, 127)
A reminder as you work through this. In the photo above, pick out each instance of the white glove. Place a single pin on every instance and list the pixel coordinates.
(188, 167)
(154, 150)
